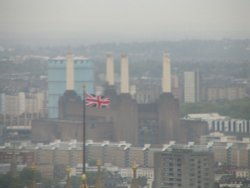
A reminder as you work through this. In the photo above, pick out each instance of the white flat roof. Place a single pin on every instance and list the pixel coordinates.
(21, 127)
(206, 116)
(75, 58)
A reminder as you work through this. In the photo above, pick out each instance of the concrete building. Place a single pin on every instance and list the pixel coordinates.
(121, 154)
(177, 87)
(13, 105)
(184, 167)
(242, 173)
(228, 151)
(32, 103)
(35, 103)
(216, 136)
(68, 73)
(192, 130)
(223, 124)
(192, 87)
(18, 111)
(217, 90)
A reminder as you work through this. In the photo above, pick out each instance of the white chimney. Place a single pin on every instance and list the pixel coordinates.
(70, 72)
(166, 74)
(124, 74)
(110, 70)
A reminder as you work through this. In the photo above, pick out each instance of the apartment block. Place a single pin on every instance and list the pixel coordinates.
(183, 167)
(192, 86)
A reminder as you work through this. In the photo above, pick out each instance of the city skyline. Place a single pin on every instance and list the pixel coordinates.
(77, 22)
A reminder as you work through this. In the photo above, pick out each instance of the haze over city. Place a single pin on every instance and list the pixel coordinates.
(92, 21)
(124, 93)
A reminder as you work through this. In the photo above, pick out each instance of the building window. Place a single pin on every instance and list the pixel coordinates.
(223, 126)
(234, 126)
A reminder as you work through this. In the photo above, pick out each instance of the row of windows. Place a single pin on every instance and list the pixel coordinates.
(231, 126)
(171, 184)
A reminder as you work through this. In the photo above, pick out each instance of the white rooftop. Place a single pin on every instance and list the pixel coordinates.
(58, 58)
(206, 116)
(64, 58)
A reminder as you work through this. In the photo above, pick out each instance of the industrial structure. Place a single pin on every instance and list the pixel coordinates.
(124, 120)
(67, 74)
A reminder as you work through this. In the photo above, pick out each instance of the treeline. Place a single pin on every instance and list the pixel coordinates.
(239, 108)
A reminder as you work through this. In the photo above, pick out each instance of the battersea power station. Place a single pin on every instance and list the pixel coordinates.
(124, 119)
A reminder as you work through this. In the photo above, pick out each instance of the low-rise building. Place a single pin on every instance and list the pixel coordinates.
(224, 124)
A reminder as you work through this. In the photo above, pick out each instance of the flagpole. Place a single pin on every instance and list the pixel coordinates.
(84, 132)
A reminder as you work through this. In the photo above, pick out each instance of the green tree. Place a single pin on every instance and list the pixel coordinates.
(239, 108)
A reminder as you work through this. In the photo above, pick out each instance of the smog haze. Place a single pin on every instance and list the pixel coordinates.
(91, 21)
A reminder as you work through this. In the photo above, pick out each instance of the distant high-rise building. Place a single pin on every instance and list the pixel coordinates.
(183, 167)
(191, 87)
(68, 73)
(17, 104)
(12, 105)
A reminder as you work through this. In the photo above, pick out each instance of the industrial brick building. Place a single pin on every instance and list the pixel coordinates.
(124, 120)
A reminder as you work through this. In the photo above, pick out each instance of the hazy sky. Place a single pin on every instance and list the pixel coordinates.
(123, 20)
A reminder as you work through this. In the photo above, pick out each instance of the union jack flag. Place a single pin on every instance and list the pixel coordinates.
(96, 101)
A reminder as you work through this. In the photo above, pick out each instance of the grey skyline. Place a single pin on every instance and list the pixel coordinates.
(122, 20)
